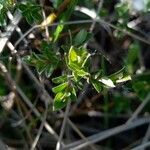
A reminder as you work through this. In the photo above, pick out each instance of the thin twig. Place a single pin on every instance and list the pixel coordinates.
(92, 146)
(9, 30)
(3, 146)
(41, 128)
(92, 14)
(47, 95)
(97, 16)
(44, 17)
(11, 17)
(106, 134)
(39, 86)
(28, 114)
(63, 6)
(147, 135)
(80, 97)
(27, 101)
(84, 22)
(143, 146)
(58, 145)
(51, 25)
(139, 109)
(24, 123)
(137, 142)
(15, 87)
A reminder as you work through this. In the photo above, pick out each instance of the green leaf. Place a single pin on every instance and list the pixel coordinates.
(60, 79)
(73, 95)
(72, 55)
(73, 66)
(58, 31)
(48, 71)
(64, 17)
(120, 76)
(1, 7)
(117, 75)
(133, 53)
(132, 57)
(121, 103)
(103, 12)
(124, 79)
(2, 18)
(77, 57)
(141, 84)
(63, 96)
(108, 82)
(29, 18)
(140, 77)
(122, 9)
(97, 85)
(46, 62)
(5, 5)
(77, 60)
(60, 87)
(31, 11)
(80, 38)
(81, 73)
(142, 88)
(76, 77)
(40, 68)
(98, 74)
(30, 59)
(60, 101)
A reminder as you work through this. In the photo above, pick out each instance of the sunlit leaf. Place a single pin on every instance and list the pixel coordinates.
(78, 57)
(72, 55)
(81, 73)
(59, 101)
(124, 79)
(108, 82)
(60, 87)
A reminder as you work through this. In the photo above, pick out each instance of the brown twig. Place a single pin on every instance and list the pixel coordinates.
(62, 7)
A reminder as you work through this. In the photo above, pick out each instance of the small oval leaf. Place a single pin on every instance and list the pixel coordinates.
(60, 87)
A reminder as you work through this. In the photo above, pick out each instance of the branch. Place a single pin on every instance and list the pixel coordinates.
(106, 134)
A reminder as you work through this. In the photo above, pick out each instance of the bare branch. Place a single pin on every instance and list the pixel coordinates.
(106, 134)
